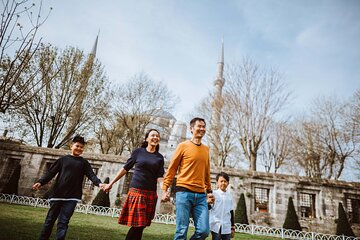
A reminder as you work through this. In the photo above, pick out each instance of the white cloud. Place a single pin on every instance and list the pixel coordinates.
(178, 42)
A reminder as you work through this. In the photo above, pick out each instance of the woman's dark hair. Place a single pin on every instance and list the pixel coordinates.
(145, 143)
(224, 175)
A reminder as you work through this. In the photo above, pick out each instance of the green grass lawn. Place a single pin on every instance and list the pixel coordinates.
(24, 222)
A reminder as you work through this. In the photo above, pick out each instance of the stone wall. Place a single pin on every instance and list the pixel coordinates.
(316, 201)
(327, 195)
(34, 161)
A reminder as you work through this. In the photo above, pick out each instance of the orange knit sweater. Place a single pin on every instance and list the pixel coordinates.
(192, 164)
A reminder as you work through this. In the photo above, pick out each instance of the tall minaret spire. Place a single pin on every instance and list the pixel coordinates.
(86, 73)
(216, 106)
(220, 72)
(219, 82)
(93, 51)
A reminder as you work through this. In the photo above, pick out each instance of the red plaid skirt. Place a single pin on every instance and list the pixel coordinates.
(139, 208)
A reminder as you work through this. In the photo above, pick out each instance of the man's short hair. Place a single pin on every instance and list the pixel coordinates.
(193, 121)
(224, 175)
(79, 139)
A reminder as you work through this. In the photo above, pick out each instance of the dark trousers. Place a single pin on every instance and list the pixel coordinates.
(62, 211)
(219, 236)
(135, 233)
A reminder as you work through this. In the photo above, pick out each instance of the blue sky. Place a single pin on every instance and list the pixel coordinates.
(315, 44)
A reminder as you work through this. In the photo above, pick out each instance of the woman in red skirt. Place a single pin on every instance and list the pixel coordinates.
(140, 203)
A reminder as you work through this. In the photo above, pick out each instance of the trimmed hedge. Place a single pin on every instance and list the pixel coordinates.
(102, 198)
(240, 212)
(343, 226)
(291, 219)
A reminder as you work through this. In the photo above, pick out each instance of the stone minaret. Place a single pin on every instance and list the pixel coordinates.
(216, 106)
(85, 75)
(219, 82)
(93, 52)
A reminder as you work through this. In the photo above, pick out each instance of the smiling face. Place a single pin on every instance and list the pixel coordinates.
(198, 130)
(77, 149)
(153, 138)
(222, 183)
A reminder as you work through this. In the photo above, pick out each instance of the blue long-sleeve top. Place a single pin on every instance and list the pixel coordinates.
(148, 168)
(71, 171)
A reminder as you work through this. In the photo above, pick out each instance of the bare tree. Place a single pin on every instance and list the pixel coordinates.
(340, 133)
(307, 148)
(20, 22)
(69, 103)
(137, 104)
(275, 151)
(221, 139)
(355, 113)
(110, 136)
(255, 97)
(327, 140)
(355, 105)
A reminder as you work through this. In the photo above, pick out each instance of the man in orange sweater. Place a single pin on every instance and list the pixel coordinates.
(191, 162)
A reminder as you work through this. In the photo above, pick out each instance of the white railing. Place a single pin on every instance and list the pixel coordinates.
(171, 219)
(287, 234)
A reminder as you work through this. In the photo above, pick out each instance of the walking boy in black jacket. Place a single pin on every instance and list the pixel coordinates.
(67, 190)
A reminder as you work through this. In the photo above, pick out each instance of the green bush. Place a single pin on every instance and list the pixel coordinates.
(291, 219)
(240, 212)
(343, 226)
(102, 198)
(117, 200)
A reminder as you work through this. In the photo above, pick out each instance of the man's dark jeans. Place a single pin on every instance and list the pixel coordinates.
(61, 210)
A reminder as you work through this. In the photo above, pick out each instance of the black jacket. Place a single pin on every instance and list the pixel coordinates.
(69, 181)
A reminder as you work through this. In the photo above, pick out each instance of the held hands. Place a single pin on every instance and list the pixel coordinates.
(36, 186)
(165, 196)
(210, 198)
(102, 186)
(232, 232)
(106, 187)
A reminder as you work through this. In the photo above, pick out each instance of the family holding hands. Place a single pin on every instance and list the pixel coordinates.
(210, 211)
